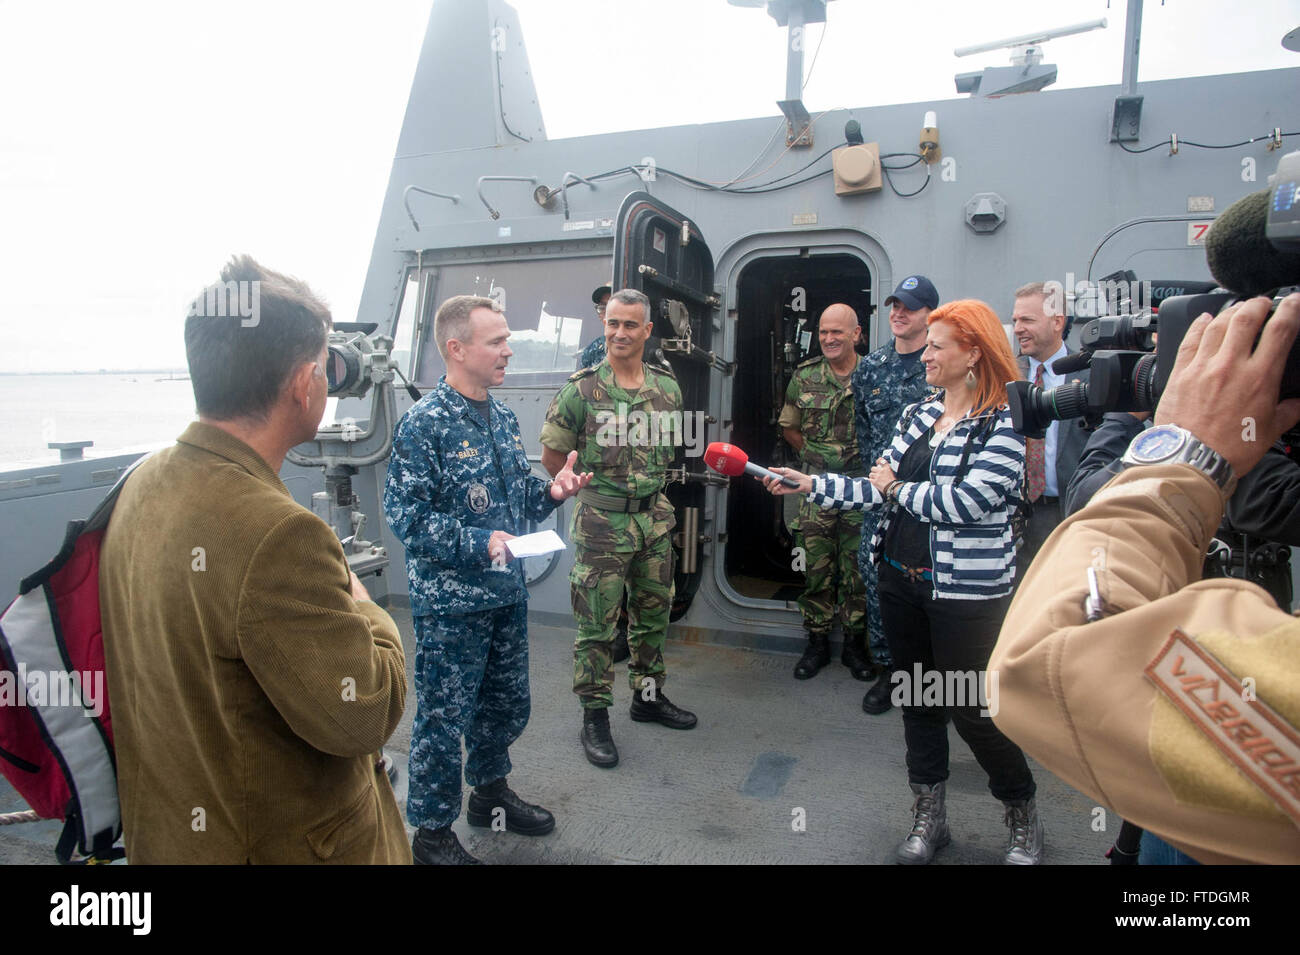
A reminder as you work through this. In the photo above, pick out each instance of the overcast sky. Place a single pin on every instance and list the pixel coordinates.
(141, 143)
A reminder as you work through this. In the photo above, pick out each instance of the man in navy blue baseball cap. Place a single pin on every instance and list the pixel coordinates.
(915, 291)
(886, 381)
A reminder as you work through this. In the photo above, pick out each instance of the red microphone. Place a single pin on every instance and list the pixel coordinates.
(730, 460)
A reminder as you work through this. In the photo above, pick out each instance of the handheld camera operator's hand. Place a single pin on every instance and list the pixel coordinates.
(776, 487)
(1218, 387)
(566, 482)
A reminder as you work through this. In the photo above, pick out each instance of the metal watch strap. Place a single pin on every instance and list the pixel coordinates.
(1209, 462)
(1191, 451)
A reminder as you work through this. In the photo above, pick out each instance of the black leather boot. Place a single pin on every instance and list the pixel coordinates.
(521, 817)
(814, 658)
(854, 656)
(663, 711)
(597, 742)
(877, 700)
(621, 651)
(439, 847)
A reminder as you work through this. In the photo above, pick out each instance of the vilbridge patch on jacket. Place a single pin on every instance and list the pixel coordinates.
(1258, 740)
(453, 479)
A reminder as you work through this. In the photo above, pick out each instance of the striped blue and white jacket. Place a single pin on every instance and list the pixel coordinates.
(972, 548)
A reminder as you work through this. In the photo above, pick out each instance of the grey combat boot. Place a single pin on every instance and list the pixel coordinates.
(1025, 843)
(929, 826)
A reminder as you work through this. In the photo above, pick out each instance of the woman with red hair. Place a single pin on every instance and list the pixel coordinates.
(945, 551)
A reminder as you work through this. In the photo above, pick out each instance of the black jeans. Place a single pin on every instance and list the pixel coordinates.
(948, 635)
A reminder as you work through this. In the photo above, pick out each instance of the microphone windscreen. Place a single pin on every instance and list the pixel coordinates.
(1238, 252)
(1075, 362)
(725, 458)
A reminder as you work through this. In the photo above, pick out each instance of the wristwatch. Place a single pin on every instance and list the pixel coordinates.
(1170, 444)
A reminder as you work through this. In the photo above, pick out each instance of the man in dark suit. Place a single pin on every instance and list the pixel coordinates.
(1039, 322)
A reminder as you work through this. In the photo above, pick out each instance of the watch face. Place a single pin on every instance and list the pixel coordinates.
(1157, 444)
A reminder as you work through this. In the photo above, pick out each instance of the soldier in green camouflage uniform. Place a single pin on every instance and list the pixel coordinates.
(817, 421)
(626, 436)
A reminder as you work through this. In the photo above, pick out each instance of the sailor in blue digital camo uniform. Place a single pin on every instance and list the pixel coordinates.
(459, 487)
(594, 353)
(885, 382)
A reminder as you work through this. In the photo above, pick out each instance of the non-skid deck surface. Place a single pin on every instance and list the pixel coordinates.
(769, 751)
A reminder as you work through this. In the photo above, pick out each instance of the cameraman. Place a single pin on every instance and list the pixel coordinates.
(1177, 705)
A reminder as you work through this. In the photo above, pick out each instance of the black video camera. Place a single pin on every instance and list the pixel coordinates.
(1119, 350)
(1253, 247)
(1128, 371)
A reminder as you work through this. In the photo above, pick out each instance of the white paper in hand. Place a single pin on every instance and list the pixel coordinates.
(535, 545)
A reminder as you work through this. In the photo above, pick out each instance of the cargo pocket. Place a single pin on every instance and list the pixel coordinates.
(343, 832)
(585, 592)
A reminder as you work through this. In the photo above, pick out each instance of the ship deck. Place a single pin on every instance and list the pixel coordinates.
(727, 791)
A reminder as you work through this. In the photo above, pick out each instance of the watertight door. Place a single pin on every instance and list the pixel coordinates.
(658, 251)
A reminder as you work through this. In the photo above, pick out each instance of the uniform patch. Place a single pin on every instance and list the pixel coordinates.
(1250, 733)
(477, 498)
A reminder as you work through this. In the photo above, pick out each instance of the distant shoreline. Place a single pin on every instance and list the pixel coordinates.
(103, 371)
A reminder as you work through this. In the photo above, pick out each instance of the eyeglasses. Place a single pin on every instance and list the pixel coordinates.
(600, 309)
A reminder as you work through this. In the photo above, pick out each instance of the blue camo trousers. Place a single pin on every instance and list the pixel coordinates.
(471, 681)
(876, 641)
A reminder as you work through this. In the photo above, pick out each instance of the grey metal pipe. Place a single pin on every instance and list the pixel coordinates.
(793, 56)
(406, 200)
(564, 189)
(482, 179)
(1132, 41)
(690, 539)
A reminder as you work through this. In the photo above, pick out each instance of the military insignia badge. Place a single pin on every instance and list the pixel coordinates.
(477, 498)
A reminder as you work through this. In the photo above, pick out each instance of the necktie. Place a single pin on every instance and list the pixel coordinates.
(1035, 457)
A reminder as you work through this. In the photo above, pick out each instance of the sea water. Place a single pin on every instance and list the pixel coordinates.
(123, 411)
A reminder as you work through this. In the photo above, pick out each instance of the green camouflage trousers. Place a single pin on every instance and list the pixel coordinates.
(830, 542)
(617, 552)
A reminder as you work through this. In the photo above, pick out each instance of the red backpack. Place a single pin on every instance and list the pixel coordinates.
(56, 737)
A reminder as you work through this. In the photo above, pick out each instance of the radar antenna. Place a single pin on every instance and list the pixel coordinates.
(1027, 72)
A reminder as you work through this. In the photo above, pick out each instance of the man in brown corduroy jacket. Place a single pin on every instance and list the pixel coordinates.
(251, 680)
